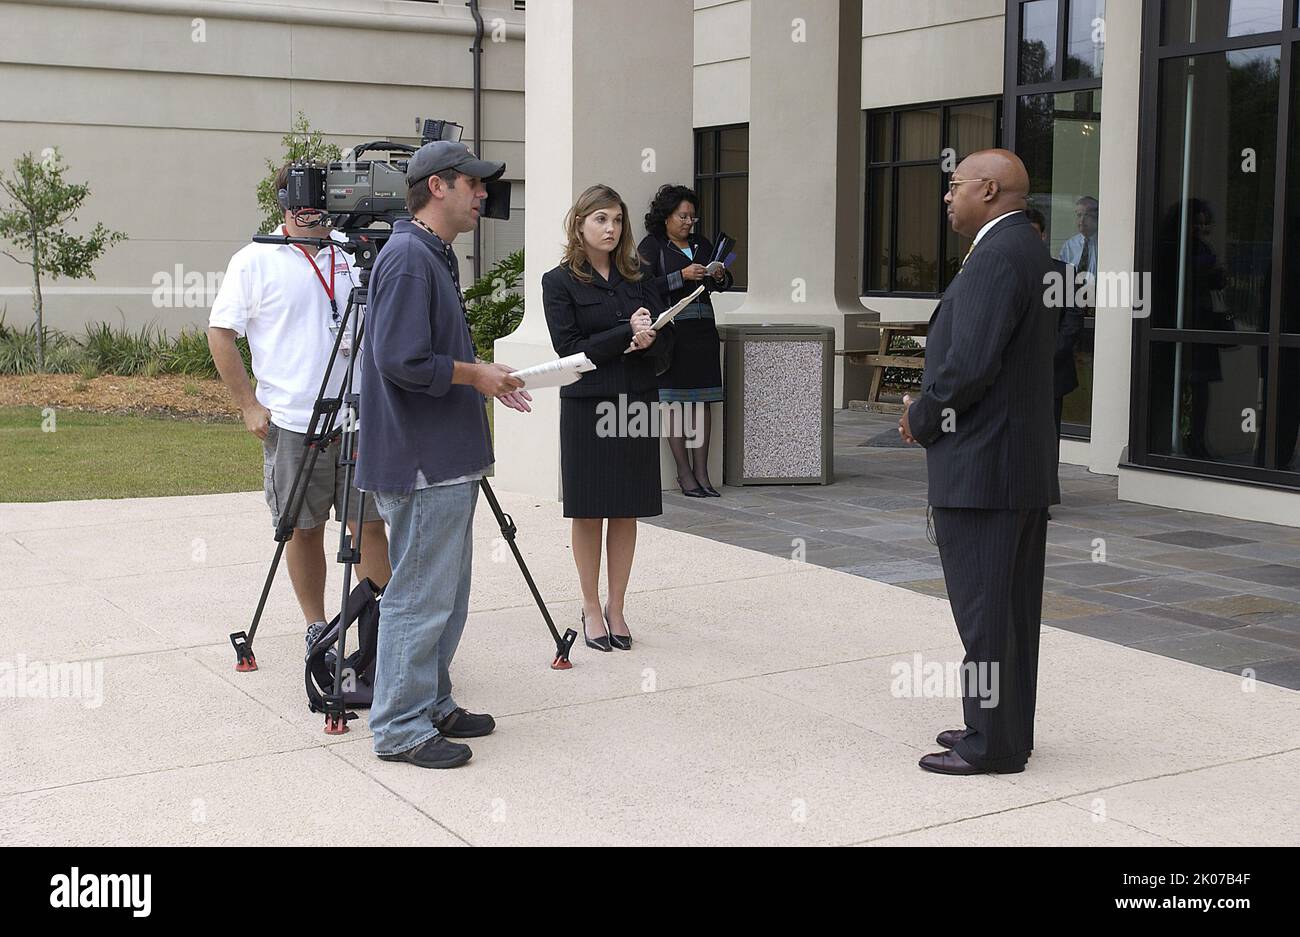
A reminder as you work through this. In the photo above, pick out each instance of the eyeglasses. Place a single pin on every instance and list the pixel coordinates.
(688, 219)
(953, 183)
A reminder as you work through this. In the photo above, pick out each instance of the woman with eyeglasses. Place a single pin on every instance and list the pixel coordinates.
(675, 258)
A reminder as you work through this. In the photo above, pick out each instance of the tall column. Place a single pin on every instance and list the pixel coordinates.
(805, 164)
(1112, 366)
(608, 96)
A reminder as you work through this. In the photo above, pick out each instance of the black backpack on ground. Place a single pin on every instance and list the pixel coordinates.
(359, 666)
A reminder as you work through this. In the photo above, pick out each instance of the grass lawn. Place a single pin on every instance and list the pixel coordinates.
(96, 455)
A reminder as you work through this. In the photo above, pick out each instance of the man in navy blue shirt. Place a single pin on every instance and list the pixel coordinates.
(424, 445)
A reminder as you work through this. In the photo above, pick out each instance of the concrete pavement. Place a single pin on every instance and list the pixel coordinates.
(762, 704)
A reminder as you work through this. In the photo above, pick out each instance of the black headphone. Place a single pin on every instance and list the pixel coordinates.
(282, 197)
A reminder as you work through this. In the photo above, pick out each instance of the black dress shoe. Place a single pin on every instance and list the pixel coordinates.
(948, 738)
(693, 492)
(951, 763)
(437, 752)
(596, 644)
(459, 724)
(711, 491)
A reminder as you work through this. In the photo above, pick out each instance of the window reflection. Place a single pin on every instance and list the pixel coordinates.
(1199, 393)
(1086, 41)
(1219, 131)
(1037, 41)
(1206, 20)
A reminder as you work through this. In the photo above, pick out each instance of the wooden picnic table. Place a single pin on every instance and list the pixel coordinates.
(880, 359)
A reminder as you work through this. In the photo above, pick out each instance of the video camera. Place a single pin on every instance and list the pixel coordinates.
(356, 193)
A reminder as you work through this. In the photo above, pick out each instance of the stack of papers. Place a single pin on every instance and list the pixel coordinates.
(557, 373)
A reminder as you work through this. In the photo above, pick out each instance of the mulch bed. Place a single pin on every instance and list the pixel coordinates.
(169, 395)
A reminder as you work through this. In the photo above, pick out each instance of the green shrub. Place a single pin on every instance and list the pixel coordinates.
(63, 353)
(18, 353)
(125, 353)
(496, 307)
(17, 349)
(189, 355)
(107, 349)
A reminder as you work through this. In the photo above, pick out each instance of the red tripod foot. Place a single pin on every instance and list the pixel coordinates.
(245, 662)
(335, 725)
(561, 663)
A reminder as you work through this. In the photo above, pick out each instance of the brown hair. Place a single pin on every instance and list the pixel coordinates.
(625, 257)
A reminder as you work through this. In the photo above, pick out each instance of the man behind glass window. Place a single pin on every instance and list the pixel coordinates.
(1080, 251)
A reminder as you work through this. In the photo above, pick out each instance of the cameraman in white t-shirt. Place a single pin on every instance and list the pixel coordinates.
(289, 301)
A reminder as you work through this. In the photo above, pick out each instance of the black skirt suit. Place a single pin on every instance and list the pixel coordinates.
(604, 474)
(695, 375)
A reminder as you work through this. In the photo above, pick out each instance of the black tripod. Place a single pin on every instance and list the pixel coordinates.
(321, 433)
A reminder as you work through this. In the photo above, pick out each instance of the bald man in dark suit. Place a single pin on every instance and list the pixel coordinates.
(985, 418)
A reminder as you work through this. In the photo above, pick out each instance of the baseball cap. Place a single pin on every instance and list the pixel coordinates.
(449, 154)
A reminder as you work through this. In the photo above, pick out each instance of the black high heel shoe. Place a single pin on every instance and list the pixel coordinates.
(596, 644)
(621, 641)
(710, 491)
(693, 492)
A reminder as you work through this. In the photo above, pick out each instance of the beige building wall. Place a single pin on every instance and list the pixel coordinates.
(170, 110)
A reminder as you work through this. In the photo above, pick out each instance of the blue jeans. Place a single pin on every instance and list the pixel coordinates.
(423, 611)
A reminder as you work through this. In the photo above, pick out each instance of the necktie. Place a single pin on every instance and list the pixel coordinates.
(1085, 257)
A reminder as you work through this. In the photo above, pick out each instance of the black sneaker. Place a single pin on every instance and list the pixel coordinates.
(437, 752)
(460, 724)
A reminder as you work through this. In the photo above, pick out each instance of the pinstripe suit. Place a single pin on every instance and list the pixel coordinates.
(985, 417)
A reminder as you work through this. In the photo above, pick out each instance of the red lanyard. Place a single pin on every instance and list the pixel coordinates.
(328, 285)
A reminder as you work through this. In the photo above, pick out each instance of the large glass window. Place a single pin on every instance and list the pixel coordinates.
(722, 183)
(910, 248)
(1217, 388)
(1054, 95)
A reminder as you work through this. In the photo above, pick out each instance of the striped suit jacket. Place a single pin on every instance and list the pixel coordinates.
(985, 412)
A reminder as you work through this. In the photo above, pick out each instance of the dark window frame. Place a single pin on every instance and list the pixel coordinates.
(893, 165)
(715, 208)
(1154, 54)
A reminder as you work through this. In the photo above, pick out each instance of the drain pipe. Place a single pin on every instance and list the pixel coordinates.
(477, 51)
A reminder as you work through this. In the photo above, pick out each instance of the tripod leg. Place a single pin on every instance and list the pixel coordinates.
(336, 714)
(319, 433)
(563, 644)
(245, 662)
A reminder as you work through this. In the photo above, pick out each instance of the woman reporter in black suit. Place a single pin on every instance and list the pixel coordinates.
(675, 257)
(597, 302)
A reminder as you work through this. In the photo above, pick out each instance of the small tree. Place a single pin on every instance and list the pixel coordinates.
(301, 145)
(40, 203)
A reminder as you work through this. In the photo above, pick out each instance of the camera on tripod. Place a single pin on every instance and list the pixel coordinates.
(356, 193)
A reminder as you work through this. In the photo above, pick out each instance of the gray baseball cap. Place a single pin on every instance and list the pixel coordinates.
(449, 154)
